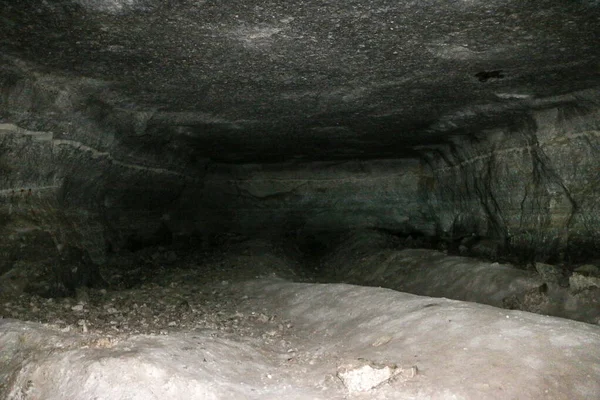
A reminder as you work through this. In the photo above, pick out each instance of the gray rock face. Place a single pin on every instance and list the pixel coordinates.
(126, 123)
(370, 258)
(293, 198)
(534, 185)
(552, 274)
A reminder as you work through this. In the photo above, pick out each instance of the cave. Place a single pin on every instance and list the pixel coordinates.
(306, 200)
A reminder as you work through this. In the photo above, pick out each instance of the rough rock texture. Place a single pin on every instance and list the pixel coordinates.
(115, 112)
(176, 324)
(140, 130)
(534, 184)
(294, 198)
(57, 194)
(149, 294)
(268, 80)
(376, 259)
(484, 352)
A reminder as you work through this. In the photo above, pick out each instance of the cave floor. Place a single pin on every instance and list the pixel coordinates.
(152, 293)
(250, 324)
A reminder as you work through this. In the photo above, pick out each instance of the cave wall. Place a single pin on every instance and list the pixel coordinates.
(296, 197)
(74, 171)
(74, 195)
(29, 189)
(78, 169)
(534, 185)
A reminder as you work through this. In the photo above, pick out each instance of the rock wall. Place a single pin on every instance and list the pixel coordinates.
(533, 185)
(85, 167)
(65, 193)
(378, 259)
(295, 197)
(74, 171)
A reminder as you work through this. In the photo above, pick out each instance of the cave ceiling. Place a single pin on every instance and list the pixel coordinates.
(261, 80)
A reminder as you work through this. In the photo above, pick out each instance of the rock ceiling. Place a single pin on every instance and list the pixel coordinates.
(311, 79)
